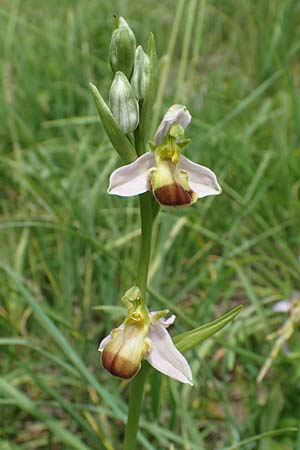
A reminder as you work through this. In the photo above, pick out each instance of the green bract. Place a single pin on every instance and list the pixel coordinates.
(116, 136)
(123, 103)
(122, 49)
(190, 339)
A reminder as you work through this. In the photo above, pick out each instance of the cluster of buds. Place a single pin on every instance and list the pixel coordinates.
(133, 76)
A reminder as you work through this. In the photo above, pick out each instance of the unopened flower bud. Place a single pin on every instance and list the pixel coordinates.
(123, 103)
(122, 49)
(141, 73)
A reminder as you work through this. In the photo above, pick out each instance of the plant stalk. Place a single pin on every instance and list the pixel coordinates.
(137, 384)
(134, 407)
(146, 211)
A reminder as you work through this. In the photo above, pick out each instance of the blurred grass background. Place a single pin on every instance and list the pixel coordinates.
(68, 247)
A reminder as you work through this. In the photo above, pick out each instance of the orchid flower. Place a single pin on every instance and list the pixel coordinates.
(143, 335)
(173, 179)
(287, 304)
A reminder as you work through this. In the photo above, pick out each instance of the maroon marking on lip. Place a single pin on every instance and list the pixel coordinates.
(118, 366)
(174, 195)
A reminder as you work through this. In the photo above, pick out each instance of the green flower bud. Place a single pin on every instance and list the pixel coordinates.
(123, 103)
(122, 49)
(141, 73)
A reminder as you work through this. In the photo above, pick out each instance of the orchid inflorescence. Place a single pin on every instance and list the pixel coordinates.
(159, 167)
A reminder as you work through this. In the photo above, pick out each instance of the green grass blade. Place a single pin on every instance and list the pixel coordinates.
(63, 344)
(70, 440)
(259, 436)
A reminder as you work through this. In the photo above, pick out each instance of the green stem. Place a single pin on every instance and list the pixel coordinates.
(139, 142)
(146, 212)
(134, 407)
(146, 234)
(137, 384)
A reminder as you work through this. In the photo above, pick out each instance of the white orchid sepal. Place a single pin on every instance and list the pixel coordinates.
(143, 335)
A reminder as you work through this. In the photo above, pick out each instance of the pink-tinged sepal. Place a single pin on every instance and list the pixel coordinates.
(201, 179)
(164, 356)
(131, 179)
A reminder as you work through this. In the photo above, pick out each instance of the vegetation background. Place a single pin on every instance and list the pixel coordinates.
(68, 250)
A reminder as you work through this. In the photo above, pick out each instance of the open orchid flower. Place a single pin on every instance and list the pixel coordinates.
(143, 335)
(173, 179)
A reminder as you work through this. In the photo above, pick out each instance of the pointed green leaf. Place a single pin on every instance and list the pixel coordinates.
(112, 129)
(190, 339)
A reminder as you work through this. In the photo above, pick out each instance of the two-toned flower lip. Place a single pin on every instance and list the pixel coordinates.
(141, 337)
(123, 350)
(173, 179)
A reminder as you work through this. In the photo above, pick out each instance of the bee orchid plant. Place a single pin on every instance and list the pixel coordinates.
(174, 181)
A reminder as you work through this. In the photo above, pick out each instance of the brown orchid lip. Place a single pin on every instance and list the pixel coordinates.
(119, 366)
(174, 195)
